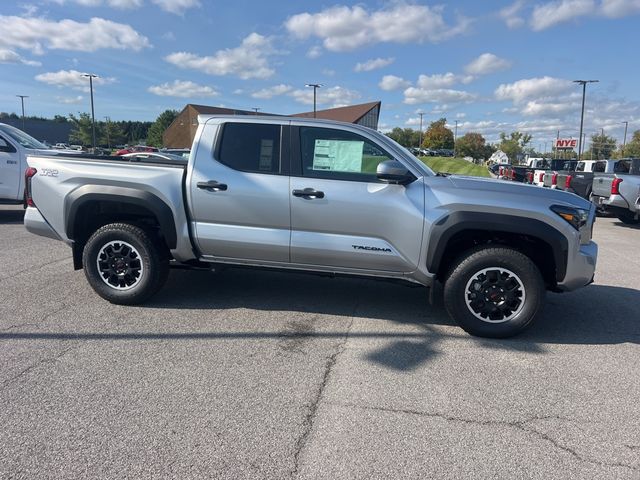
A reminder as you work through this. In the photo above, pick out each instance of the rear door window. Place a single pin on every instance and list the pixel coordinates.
(251, 147)
(622, 166)
(599, 167)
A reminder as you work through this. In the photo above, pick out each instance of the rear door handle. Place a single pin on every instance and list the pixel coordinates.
(212, 186)
(308, 193)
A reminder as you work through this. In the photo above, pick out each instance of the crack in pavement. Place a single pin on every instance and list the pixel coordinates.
(30, 368)
(312, 410)
(34, 268)
(522, 425)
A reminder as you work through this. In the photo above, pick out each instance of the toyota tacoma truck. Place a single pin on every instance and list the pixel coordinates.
(315, 196)
(619, 192)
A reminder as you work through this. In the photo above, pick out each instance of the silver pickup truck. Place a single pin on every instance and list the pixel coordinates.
(619, 192)
(315, 196)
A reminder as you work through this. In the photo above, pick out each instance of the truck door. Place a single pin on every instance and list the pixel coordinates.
(10, 174)
(341, 214)
(239, 192)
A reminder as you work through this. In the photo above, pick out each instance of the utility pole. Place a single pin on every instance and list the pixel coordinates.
(584, 91)
(455, 139)
(108, 128)
(22, 97)
(91, 76)
(420, 141)
(315, 87)
(624, 142)
(255, 109)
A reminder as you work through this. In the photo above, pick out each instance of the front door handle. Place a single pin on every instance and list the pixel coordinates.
(212, 186)
(308, 193)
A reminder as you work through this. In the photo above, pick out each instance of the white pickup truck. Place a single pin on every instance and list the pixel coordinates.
(15, 145)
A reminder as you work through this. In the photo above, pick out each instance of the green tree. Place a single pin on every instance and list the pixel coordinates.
(602, 146)
(632, 148)
(472, 145)
(407, 137)
(111, 133)
(154, 135)
(514, 144)
(438, 135)
(81, 132)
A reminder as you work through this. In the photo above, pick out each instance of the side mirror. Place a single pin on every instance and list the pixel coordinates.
(392, 171)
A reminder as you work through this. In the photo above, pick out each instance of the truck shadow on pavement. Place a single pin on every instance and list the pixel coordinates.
(595, 315)
(9, 216)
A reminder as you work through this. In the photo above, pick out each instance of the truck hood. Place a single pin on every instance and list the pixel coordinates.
(493, 186)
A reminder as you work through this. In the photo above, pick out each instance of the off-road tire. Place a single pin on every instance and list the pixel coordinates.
(153, 263)
(457, 290)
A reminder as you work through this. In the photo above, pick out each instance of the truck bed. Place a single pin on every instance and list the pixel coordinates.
(62, 180)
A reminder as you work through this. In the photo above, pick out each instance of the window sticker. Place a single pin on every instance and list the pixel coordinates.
(338, 155)
(266, 155)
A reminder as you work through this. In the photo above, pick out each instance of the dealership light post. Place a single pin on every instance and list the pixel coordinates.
(22, 97)
(584, 91)
(255, 109)
(624, 141)
(420, 141)
(91, 76)
(455, 139)
(315, 86)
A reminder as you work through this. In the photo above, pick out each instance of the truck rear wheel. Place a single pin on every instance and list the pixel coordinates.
(124, 264)
(494, 292)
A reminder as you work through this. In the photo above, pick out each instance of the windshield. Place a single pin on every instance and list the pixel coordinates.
(27, 141)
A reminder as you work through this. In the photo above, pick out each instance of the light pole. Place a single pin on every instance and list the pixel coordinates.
(108, 128)
(22, 97)
(91, 76)
(455, 139)
(315, 87)
(584, 91)
(255, 109)
(420, 142)
(624, 142)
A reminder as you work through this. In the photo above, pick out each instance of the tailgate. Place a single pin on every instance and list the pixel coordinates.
(602, 185)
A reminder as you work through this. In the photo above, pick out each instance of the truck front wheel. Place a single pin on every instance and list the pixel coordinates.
(494, 292)
(124, 264)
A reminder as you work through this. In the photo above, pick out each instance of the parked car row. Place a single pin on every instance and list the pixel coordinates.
(431, 152)
(612, 185)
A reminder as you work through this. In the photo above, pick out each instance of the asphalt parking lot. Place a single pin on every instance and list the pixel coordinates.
(244, 374)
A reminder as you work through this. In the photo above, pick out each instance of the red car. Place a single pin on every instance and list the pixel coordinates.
(136, 148)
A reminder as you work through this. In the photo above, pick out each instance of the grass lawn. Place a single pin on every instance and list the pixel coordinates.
(455, 165)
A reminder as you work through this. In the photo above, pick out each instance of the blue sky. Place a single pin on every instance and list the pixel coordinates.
(493, 66)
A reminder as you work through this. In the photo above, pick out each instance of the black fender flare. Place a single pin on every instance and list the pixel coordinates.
(448, 226)
(124, 196)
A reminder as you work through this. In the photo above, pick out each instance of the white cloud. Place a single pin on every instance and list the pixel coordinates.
(344, 28)
(72, 79)
(249, 60)
(441, 80)
(35, 34)
(270, 92)
(528, 88)
(461, 115)
(9, 56)
(619, 8)
(439, 109)
(487, 63)
(182, 89)
(70, 100)
(510, 15)
(560, 11)
(121, 4)
(332, 97)
(414, 96)
(373, 64)
(176, 6)
(391, 82)
(314, 52)
(328, 72)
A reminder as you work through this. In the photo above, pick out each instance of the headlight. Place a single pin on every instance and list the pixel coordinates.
(577, 217)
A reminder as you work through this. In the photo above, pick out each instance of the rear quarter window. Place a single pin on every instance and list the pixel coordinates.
(251, 147)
